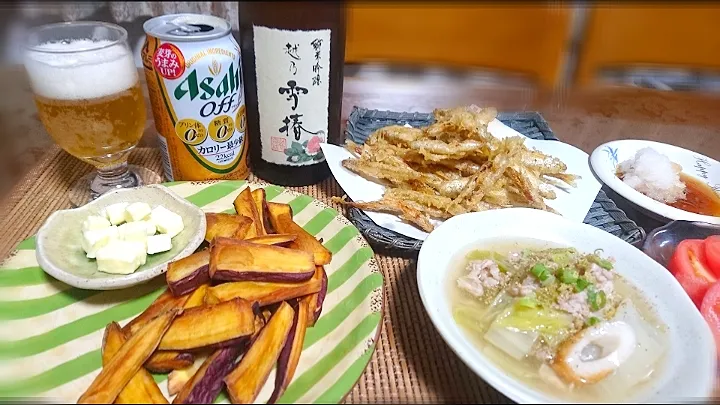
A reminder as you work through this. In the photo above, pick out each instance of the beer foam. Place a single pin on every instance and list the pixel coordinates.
(89, 74)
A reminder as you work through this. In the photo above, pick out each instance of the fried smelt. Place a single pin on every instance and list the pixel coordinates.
(454, 166)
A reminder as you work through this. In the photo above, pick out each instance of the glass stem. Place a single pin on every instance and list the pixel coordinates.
(113, 177)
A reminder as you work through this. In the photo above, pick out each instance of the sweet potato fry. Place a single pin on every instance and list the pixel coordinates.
(281, 239)
(163, 362)
(207, 382)
(260, 322)
(320, 298)
(245, 205)
(226, 225)
(277, 209)
(232, 260)
(185, 275)
(267, 293)
(178, 378)
(210, 326)
(312, 300)
(258, 196)
(290, 354)
(163, 303)
(141, 389)
(282, 221)
(197, 297)
(269, 229)
(127, 361)
(211, 298)
(246, 380)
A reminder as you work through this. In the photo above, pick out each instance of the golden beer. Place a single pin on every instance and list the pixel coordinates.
(89, 99)
(90, 102)
(96, 127)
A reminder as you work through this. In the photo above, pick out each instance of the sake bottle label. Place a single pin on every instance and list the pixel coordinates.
(292, 71)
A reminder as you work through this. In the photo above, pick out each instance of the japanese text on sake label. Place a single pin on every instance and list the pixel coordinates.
(292, 72)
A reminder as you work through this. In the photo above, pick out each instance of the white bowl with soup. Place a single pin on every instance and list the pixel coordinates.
(548, 310)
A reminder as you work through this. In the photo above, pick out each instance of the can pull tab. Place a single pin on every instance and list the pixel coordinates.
(183, 29)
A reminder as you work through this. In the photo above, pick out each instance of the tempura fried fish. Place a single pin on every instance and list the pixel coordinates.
(452, 167)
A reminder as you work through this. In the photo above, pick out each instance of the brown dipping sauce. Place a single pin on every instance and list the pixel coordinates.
(699, 197)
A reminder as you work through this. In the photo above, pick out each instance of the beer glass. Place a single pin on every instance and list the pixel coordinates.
(89, 100)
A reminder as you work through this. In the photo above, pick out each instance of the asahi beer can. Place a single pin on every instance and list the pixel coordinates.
(194, 78)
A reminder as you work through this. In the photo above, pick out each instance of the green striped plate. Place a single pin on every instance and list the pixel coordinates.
(50, 333)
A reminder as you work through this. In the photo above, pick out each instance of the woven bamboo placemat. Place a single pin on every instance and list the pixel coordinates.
(411, 364)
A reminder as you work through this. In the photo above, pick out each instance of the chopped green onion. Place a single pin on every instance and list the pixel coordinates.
(593, 320)
(597, 299)
(568, 276)
(562, 259)
(526, 302)
(540, 271)
(605, 264)
(548, 280)
(581, 284)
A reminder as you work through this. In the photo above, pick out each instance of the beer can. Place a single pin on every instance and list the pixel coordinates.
(194, 78)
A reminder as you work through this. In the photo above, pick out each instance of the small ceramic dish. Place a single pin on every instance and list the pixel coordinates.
(661, 242)
(606, 157)
(689, 368)
(60, 254)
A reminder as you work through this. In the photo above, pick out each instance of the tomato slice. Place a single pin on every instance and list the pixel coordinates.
(689, 266)
(712, 253)
(710, 310)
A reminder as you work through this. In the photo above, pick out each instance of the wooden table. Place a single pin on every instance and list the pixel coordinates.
(411, 362)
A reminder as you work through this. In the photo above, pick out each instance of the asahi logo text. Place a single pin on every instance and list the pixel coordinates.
(224, 89)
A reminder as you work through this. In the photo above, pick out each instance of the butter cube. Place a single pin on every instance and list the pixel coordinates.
(133, 231)
(166, 221)
(93, 240)
(94, 223)
(158, 243)
(121, 257)
(137, 211)
(116, 213)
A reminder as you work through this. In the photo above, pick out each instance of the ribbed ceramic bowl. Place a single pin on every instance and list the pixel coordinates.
(60, 254)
